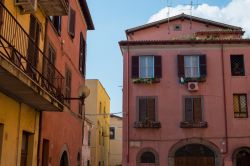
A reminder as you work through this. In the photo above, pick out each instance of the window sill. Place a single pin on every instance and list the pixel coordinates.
(202, 124)
(185, 80)
(147, 124)
(146, 80)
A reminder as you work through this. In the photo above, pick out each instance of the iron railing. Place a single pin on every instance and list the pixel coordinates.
(19, 48)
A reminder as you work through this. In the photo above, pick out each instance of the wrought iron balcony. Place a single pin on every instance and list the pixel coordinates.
(54, 7)
(25, 72)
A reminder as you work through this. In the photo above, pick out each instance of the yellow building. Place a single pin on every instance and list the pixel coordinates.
(29, 82)
(97, 107)
(115, 155)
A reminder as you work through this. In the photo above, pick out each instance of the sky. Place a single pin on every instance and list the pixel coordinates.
(112, 17)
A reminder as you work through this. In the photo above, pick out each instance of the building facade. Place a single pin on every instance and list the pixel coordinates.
(98, 110)
(25, 91)
(185, 94)
(62, 136)
(115, 154)
(86, 157)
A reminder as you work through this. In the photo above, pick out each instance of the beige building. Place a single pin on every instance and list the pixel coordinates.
(97, 110)
(115, 154)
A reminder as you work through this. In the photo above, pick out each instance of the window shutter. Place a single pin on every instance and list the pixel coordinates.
(72, 15)
(151, 109)
(157, 67)
(82, 54)
(181, 72)
(203, 65)
(142, 109)
(197, 111)
(189, 109)
(135, 66)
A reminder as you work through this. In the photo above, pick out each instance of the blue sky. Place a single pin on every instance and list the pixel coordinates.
(111, 19)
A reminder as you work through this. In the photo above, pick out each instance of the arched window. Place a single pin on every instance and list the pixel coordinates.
(241, 157)
(147, 157)
(64, 159)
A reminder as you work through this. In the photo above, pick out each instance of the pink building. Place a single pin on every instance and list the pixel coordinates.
(186, 94)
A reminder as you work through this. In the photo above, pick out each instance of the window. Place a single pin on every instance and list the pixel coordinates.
(72, 20)
(1, 140)
(68, 78)
(146, 66)
(147, 157)
(237, 65)
(192, 67)
(56, 21)
(45, 157)
(193, 112)
(82, 55)
(50, 65)
(240, 105)
(177, 27)
(78, 159)
(100, 108)
(80, 108)
(89, 137)
(147, 108)
(100, 138)
(27, 142)
(112, 133)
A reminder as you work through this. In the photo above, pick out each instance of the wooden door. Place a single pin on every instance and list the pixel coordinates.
(45, 157)
(194, 161)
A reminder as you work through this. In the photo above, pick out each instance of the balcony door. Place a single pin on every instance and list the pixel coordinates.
(33, 46)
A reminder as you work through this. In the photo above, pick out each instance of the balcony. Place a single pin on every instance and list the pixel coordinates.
(26, 74)
(54, 7)
(147, 124)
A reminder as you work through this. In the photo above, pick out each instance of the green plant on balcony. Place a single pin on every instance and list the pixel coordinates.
(146, 80)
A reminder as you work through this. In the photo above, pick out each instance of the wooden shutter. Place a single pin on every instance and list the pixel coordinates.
(197, 110)
(189, 109)
(181, 70)
(72, 15)
(151, 109)
(142, 109)
(203, 65)
(82, 54)
(157, 67)
(135, 66)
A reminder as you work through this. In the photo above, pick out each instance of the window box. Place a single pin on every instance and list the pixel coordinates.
(147, 124)
(146, 80)
(185, 124)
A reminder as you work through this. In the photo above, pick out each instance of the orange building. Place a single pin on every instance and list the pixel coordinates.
(62, 135)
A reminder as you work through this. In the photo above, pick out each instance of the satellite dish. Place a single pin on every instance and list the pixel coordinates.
(83, 91)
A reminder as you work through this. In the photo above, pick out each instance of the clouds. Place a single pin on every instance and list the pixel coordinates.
(235, 13)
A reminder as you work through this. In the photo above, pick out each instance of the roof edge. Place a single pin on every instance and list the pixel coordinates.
(183, 16)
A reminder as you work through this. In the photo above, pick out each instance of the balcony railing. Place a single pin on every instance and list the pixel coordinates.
(18, 47)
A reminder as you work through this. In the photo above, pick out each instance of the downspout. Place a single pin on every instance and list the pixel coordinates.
(224, 101)
(127, 101)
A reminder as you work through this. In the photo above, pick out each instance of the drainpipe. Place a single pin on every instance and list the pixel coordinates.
(224, 101)
(127, 113)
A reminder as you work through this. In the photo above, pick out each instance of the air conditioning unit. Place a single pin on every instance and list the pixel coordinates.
(193, 86)
(27, 6)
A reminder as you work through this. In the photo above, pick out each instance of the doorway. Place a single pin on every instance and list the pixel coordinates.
(194, 155)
